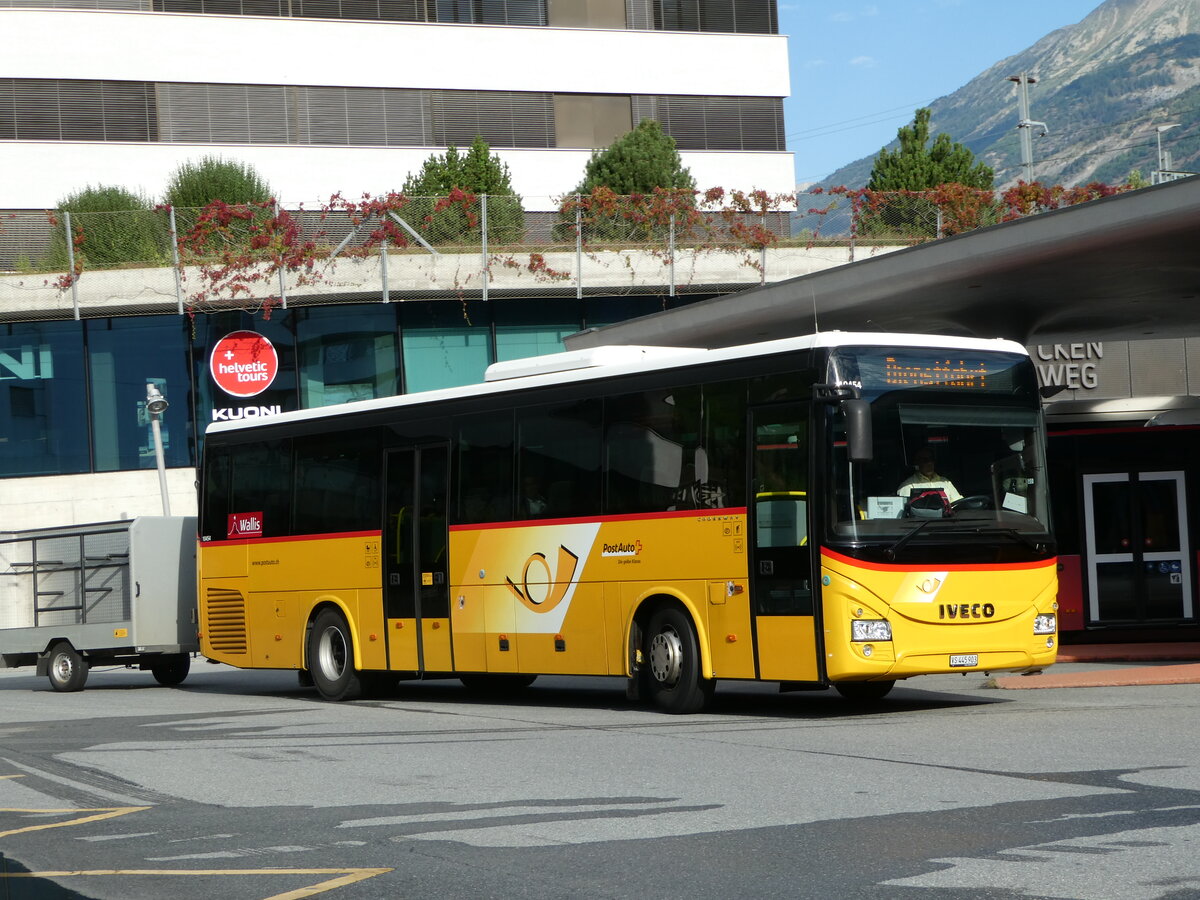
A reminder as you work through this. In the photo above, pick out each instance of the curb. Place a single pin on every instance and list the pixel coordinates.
(1142, 675)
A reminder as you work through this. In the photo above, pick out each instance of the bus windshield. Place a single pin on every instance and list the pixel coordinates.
(958, 447)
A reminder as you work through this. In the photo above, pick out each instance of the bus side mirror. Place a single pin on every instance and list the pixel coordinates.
(859, 442)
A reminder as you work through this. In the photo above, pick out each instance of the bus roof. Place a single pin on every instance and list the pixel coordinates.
(609, 361)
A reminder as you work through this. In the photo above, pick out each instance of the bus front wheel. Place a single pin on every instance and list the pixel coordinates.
(331, 657)
(671, 661)
(864, 691)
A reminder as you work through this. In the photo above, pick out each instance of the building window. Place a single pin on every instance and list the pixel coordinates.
(59, 109)
(124, 355)
(42, 401)
(346, 357)
(527, 328)
(446, 344)
(716, 123)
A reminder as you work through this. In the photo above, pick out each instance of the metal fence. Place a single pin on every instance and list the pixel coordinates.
(61, 264)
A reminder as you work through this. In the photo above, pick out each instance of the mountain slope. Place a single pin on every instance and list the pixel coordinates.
(1102, 87)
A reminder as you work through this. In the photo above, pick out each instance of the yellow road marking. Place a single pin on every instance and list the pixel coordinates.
(344, 876)
(103, 812)
(2, 777)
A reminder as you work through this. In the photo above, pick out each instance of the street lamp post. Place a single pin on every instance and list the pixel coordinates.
(156, 405)
(1162, 163)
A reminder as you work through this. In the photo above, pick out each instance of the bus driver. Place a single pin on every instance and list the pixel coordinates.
(926, 478)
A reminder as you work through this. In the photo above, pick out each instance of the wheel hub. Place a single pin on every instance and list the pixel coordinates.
(63, 668)
(333, 656)
(666, 656)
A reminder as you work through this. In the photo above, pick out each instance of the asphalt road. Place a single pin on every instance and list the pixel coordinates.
(244, 785)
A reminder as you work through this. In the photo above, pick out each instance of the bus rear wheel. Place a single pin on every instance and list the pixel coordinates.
(671, 661)
(864, 691)
(331, 657)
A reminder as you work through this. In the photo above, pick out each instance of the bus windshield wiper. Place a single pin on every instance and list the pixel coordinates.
(1016, 535)
(891, 551)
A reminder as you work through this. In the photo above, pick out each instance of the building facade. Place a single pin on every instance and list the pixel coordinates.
(349, 96)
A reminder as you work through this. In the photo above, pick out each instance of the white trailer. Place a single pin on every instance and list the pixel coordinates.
(112, 593)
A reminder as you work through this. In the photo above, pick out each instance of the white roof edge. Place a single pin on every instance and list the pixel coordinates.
(642, 358)
(593, 357)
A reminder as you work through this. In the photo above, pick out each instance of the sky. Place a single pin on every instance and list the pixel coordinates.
(860, 69)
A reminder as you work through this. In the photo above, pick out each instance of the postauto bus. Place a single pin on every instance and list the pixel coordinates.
(671, 516)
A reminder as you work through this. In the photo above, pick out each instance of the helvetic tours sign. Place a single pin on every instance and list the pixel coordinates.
(243, 363)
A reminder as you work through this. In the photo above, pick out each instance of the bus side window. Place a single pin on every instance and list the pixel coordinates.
(651, 446)
(484, 467)
(337, 483)
(261, 482)
(559, 446)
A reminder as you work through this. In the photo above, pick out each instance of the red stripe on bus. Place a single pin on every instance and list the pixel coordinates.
(224, 542)
(941, 567)
(624, 517)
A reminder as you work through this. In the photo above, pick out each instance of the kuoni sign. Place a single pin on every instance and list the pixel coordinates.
(243, 363)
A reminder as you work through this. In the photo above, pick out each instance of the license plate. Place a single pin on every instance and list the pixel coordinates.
(964, 660)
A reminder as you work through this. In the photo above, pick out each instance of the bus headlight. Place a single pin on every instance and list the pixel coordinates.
(870, 630)
(1045, 623)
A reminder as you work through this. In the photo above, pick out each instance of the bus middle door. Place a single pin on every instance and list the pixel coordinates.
(781, 569)
(416, 589)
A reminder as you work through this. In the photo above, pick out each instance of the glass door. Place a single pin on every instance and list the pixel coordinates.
(781, 566)
(1137, 545)
(416, 589)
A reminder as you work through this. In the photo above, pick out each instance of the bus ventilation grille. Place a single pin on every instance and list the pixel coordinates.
(225, 612)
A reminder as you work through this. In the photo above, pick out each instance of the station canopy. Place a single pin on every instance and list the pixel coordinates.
(1125, 267)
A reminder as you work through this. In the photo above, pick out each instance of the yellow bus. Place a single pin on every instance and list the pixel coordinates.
(671, 516)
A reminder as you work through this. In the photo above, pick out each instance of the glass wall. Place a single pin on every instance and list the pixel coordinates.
(446, 344)
(123, 356)
(43, 411)
(344, 358)
(72, 394)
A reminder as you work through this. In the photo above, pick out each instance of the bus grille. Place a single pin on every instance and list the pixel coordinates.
(225, 625)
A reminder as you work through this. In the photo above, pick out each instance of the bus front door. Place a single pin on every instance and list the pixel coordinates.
(781, 565)
(416, 591)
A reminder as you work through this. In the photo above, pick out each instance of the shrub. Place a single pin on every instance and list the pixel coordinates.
(476, 172)
(198, 183)
(111, 226)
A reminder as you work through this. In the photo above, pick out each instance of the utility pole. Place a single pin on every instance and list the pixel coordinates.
(1164, 156)
(1025, 124)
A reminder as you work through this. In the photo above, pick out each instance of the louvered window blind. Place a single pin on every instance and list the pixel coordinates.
(737, 16)
(37, 109)
(76, 110)
(716, 123)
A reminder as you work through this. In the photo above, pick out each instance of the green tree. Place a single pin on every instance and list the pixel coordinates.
(637, 163)
(111, 226)
(917, 165)
(198, 183)
(478, 171)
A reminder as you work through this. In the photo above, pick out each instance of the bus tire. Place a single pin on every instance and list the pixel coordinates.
(68, 670)
(671, 667)
(331, 657)
(864, 691)
(171, 670)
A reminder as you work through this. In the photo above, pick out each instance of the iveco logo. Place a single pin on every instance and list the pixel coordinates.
(929, 585)
(966, 611)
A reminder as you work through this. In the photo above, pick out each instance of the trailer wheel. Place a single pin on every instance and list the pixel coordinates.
(171, 670)
(331, 657)
(68, 670)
